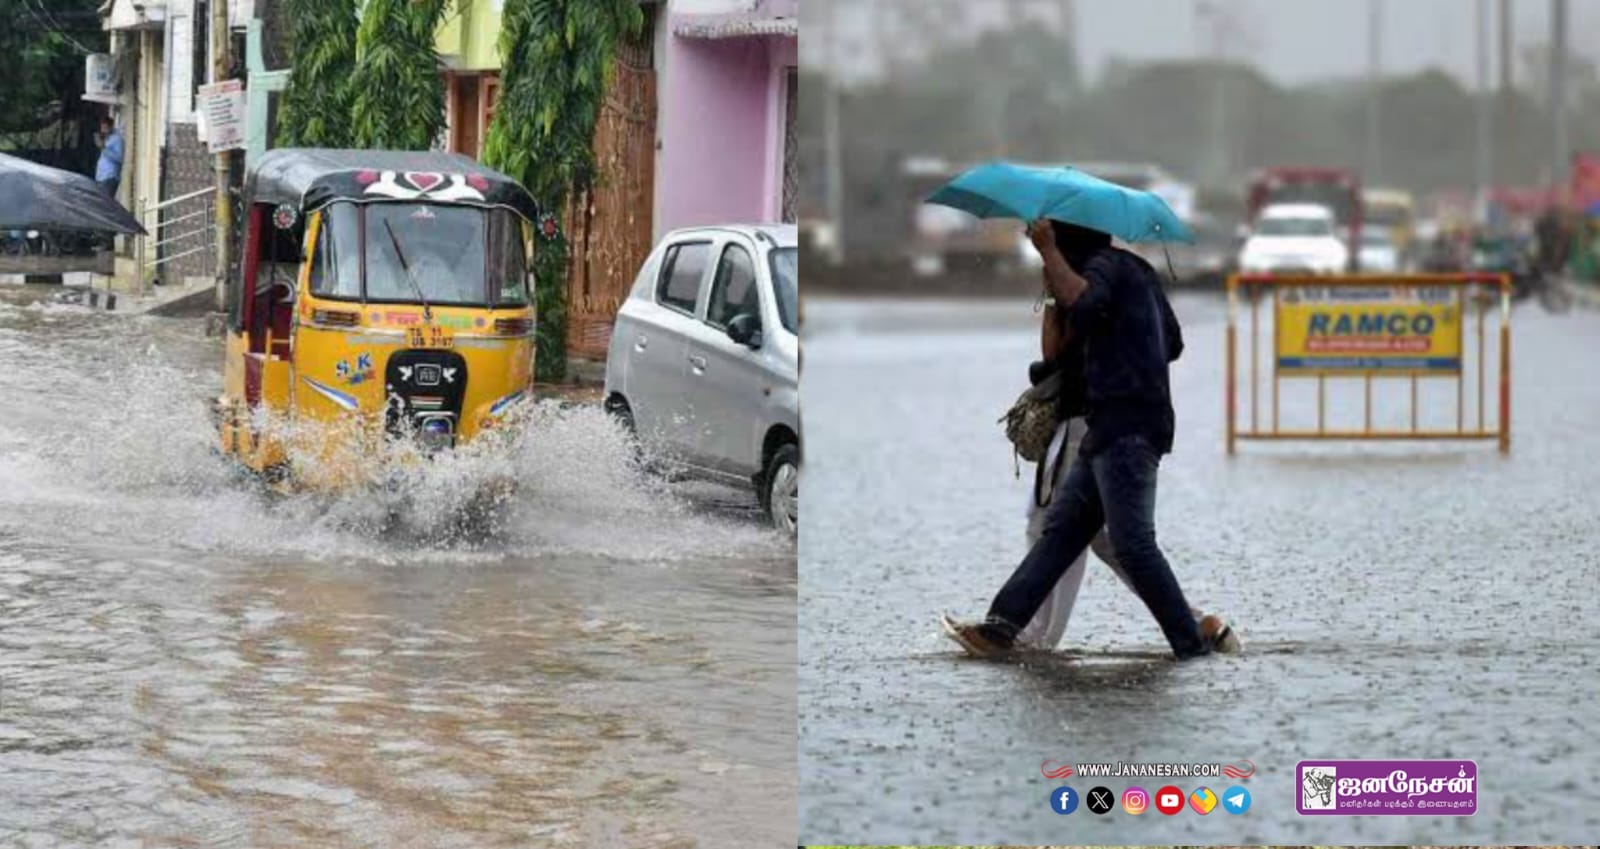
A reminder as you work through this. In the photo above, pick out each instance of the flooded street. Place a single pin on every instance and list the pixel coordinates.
(185, 661)
(1395, 600)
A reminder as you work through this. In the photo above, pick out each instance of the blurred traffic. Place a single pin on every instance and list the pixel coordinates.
(1462, 163)
(1294, 219)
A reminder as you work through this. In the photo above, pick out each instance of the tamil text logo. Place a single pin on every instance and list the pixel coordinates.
(1366, 788)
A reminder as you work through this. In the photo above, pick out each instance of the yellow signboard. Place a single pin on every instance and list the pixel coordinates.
(1368, 330)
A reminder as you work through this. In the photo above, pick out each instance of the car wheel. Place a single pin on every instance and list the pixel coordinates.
(619, 410)
(781, 489)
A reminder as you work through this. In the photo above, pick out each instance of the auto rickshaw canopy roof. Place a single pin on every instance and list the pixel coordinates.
(311, 178)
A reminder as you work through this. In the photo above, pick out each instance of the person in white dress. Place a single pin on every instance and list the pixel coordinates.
(1050, 623)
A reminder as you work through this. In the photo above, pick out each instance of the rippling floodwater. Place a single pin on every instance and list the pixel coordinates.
(1396, 601)
(185, 662)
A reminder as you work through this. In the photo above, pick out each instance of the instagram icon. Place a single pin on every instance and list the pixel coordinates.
(1135, 800)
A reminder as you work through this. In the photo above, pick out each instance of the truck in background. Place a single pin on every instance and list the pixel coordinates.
(1335, 188)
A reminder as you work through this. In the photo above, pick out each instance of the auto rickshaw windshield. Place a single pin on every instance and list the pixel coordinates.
(444, 254)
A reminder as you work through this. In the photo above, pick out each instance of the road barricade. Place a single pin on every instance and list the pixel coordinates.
(1417, 338)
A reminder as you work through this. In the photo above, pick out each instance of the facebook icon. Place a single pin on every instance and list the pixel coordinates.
(1063, 800)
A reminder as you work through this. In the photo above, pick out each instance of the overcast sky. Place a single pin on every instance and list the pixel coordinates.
(1298, 40)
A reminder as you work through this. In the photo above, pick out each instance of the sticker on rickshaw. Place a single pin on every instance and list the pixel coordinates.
(430, 336)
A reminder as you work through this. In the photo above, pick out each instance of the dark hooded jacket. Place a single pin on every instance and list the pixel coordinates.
(1129, 334)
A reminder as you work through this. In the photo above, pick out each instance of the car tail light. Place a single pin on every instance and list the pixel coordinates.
(336, 318)
(512, 326)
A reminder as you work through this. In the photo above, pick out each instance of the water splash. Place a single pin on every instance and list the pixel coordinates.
(119, 443)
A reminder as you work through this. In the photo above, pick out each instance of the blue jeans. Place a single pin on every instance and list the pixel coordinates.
(1115, 488)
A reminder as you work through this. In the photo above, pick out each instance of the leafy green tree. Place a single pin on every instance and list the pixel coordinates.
(397, 99)
(42, 76)
(557, 57)
(317, 103)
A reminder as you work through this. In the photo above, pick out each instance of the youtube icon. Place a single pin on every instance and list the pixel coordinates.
(1169, 800)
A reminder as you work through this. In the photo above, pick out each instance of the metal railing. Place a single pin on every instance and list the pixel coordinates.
(1309, 314)
(195, 230)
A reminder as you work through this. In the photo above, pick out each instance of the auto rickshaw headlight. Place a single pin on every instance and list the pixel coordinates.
(435, 432)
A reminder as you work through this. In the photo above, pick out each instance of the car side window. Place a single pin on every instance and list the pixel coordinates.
(681, 272)
(733, 292)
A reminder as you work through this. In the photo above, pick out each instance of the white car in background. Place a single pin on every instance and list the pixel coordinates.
(704, 363)
(1294, 237)
(1378, 252)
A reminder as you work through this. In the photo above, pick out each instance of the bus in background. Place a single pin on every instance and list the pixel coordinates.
(1393, 213)
(1335, 188)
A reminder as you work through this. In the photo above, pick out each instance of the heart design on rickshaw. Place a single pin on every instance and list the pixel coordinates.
(424, 181)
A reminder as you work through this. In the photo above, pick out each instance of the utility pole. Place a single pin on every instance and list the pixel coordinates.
(1481, 102)
(1069, 34)
(220, 65)
(1220, 25)
(1504, 97)
(884, 35)
(1373, 165)
(1558, 91)
(835, 164)
(1014, 25)
(1505, 48)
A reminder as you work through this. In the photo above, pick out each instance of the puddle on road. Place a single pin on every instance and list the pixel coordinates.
(186, 660)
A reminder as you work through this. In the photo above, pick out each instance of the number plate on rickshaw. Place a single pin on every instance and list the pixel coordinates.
(430, 336)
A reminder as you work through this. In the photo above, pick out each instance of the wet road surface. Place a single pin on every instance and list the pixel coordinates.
(185, 662)
(1396, 600)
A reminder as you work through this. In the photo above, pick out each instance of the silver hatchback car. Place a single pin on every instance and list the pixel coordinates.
(704, 363)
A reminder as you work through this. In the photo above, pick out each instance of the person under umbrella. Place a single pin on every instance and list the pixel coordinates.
(1114, 304)
(1113, 301)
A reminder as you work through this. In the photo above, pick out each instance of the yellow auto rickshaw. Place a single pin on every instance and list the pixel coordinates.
(386, 293)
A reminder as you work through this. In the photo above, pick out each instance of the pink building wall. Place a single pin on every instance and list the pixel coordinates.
(721, 130)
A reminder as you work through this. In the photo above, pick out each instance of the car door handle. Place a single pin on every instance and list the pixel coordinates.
(641, 343)
(699, 363)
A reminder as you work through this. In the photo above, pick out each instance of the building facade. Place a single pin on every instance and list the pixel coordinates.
(161, 53)
(469, 49)
(699, 127)
(729, 90)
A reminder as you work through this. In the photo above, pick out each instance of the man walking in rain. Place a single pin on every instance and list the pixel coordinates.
(1113, 301)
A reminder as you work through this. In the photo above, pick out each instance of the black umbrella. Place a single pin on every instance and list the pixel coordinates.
(38, 197)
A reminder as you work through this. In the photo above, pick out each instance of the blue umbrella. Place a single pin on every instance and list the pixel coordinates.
(1007, 190)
